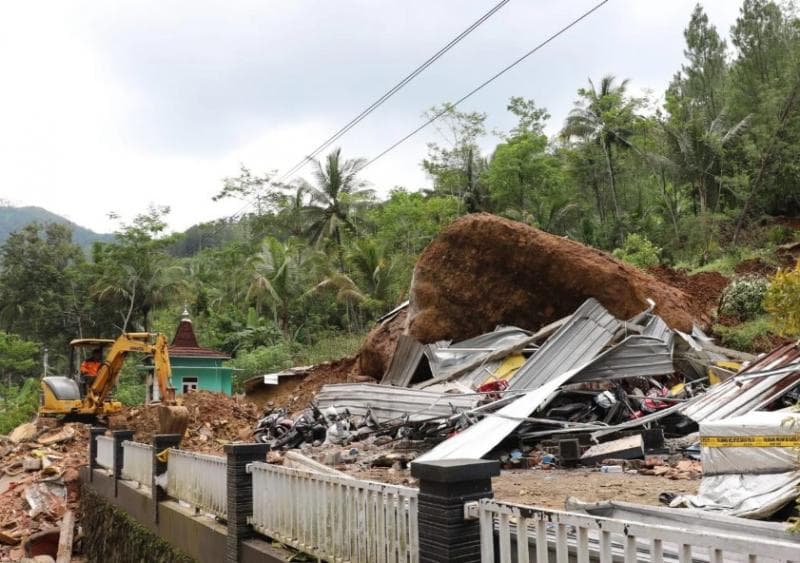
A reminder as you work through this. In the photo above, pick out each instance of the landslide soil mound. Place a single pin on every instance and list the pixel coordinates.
(485, 270)
(704, 288)
(377, 350)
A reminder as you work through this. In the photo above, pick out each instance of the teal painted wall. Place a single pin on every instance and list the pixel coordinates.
(210, 373)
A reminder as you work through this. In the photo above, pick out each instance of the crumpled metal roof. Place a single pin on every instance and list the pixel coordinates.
(390, 403)
(753, 388)
(575, 344)
(445, 357)
(405, 361)
(639, 355)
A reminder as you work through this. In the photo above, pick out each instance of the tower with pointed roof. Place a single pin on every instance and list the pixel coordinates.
(194, 367)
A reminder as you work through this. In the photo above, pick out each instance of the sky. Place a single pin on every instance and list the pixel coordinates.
(109, 107)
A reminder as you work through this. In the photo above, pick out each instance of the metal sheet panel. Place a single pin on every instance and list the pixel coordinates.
(636, 356)
(446, 358)
(753, 388)
(576, 343)
(405, 361)
(479, 439)
(393, 403)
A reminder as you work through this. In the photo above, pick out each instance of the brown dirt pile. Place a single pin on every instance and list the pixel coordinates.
(214, 420)
(484, 270)
(340, 371)
(378, 348)
(704, 288)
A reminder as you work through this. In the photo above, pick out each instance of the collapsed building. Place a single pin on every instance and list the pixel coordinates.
(533, 349)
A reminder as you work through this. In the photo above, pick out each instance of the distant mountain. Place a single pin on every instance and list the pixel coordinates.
(14, 218)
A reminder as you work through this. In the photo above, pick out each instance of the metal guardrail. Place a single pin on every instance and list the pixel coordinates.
(335, 518)
(105, 452)
(137, 462)
(584, 538)
(200, 480)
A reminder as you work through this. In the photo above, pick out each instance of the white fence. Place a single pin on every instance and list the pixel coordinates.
(137, 462)
(583, 538)
(334, 518)
(105, 452)
(199, 479)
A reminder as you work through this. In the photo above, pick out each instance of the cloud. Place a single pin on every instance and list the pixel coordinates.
(112, 106)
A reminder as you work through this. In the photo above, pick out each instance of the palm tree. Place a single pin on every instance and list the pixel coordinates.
(603, 116)
(336, 197)
(275, 280)
(375, 266)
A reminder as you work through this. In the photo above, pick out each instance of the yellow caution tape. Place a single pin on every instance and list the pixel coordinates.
(163, 456)
(775, 441)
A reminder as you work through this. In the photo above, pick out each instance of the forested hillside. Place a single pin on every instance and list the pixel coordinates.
(15, 218)
(701, 176)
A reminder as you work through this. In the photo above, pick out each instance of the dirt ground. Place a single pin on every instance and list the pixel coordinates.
(550, 489)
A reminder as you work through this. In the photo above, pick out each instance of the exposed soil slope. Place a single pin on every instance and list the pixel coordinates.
(485, 270)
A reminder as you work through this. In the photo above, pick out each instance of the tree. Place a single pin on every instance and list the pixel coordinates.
(604, 117)
(19, 358)
(42, 285)
(135, 274)
(336, 198)
(456, 166)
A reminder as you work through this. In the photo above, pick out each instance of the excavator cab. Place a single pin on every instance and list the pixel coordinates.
(64, 394)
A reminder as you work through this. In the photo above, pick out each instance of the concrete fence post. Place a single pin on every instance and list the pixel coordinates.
(119, 436)
(94, 432)
(240, 494)
(444, 487)
(161, 444)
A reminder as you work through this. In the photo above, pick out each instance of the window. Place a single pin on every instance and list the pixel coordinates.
(189, 384)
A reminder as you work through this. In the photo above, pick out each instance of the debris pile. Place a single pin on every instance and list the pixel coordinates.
(214, 420)
(38, 486)
(535, 350)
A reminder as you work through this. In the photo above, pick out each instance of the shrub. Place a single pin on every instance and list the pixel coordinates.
(19, 405)
(783, 300)
(639, 251)
(744, 298)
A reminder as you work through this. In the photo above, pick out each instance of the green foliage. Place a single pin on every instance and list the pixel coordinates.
(19, 358)
(639, 251)
(20, 404)
(744, 298)
(783, 301)
(259, 361)
(131, 389)
(750, 336)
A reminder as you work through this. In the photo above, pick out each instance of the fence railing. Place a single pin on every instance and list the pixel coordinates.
(583, 538)
(335, 518)
(137, 462)
(198, 479)
(105, 452)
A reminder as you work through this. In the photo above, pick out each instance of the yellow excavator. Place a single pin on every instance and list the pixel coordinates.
(63, 395)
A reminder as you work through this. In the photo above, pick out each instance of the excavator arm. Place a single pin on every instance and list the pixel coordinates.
(59, 397)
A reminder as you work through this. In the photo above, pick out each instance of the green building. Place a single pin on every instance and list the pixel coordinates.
(194, 367)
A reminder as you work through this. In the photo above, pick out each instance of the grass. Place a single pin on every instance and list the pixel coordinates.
(750, 336)
(330, 347)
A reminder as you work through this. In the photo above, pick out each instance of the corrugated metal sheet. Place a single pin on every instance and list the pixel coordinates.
(446, 358)
(576, 343)
(405, 361)
(640, 355)
(479, 439)
(741, 395)
(390, 403)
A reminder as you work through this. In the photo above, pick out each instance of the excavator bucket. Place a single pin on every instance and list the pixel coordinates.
(173, 419)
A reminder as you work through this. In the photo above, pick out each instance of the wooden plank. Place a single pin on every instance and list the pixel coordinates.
(64, 554)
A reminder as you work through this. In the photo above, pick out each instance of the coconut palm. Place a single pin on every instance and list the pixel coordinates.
(603, 117)
(336, 196)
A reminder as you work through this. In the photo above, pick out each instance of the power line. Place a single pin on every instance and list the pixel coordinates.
(482, 85)
(377, 103)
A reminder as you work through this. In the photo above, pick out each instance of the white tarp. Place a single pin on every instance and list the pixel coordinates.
(747, 496)
(757, 442)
